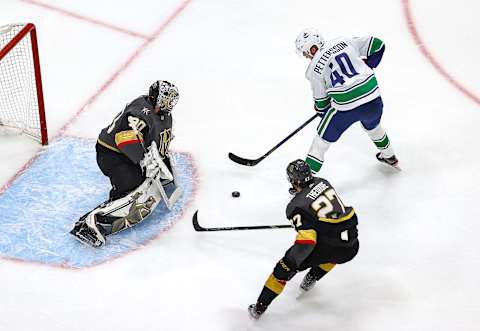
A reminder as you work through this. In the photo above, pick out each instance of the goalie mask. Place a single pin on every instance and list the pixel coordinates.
(165, 95)
(299, 173)
(306, 39)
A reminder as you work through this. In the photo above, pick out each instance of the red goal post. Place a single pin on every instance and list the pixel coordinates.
(21, 94)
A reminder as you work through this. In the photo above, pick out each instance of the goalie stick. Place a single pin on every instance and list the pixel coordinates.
(252, 162)
(200, 228)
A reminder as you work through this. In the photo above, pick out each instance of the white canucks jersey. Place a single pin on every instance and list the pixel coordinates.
(338, 75)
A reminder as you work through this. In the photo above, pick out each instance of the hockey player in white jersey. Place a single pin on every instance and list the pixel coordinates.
(345, 91)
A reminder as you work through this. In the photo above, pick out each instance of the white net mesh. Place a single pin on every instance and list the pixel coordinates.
(19, 106)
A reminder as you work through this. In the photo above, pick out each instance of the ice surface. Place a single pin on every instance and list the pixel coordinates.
(62, 184)
(242, 89)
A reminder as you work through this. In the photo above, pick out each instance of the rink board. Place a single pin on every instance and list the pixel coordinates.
(64, 182)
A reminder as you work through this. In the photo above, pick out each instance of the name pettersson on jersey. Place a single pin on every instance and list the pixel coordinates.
(326, 55)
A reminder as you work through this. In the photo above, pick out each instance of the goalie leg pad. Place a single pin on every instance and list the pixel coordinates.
(136, 213)
(114, 216)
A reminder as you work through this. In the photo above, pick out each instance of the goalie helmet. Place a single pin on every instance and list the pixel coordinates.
(164, 94)
(306, 39)
(299, 173)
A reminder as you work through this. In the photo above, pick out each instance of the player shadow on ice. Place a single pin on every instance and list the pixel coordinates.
(63, 183)
(336, 305)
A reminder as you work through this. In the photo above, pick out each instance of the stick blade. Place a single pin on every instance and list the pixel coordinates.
(242, 161)
(196, 226)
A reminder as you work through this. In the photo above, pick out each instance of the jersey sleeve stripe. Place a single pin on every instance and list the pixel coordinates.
(305, 242)
(129, 142)
(322, 104)
(375, 45)
(370, 42)
(128, 137)
(306, 237)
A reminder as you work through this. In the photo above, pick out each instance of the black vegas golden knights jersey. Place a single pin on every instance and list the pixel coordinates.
(138, 116)
(323, 221)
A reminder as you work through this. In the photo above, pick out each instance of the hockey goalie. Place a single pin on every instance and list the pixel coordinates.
(133, 151)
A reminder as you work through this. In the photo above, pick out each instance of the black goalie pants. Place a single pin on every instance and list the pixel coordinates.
(125, 176)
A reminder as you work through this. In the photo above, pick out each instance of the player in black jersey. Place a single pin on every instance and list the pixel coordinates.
(326, 235)
(121, 145)
(133, 151)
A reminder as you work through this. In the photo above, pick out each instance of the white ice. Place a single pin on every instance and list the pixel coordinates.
(242, 90)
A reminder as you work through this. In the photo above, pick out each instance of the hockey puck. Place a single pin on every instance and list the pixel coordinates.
(235, 194)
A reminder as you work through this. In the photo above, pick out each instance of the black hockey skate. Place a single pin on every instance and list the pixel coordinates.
(308, 282)
(391, 161)
(256, 310)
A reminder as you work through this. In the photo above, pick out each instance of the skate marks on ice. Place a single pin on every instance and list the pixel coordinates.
(64, 182)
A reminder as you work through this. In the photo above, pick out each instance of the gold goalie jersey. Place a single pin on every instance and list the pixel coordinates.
(138, 125)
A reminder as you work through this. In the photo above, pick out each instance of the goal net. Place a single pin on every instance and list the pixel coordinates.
(21, 94)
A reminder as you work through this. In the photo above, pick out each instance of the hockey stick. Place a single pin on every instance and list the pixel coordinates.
(200, 228)
(251, 163)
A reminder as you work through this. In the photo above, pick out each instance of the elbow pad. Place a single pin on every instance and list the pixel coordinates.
(374, 59)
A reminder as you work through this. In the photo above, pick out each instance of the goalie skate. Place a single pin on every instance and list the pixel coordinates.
(83, 233)
(391, 161)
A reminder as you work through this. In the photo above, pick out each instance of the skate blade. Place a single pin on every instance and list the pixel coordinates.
(396, 167)
(302, 294)
(85, 241)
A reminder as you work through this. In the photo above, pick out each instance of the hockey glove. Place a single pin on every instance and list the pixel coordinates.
(149, 165)
(320, 112)
(153, 164)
